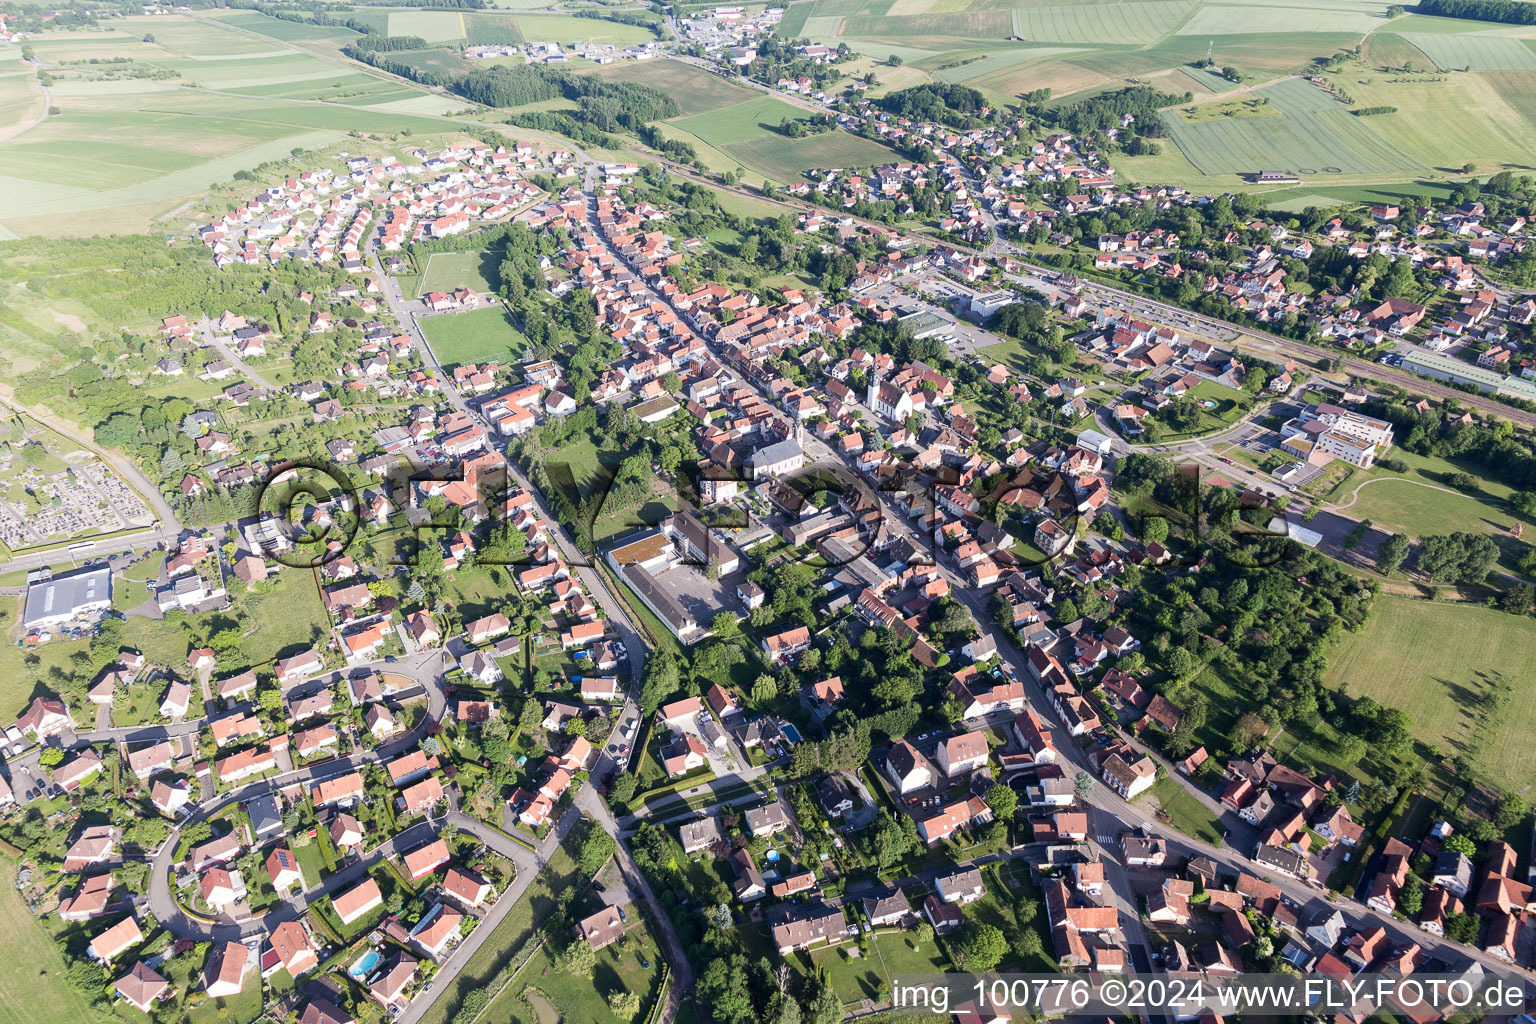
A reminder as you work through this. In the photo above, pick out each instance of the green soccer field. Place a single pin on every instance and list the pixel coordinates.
(446, 271)
(477, 337)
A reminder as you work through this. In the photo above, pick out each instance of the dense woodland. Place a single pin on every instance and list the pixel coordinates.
(955, 105)
(1513, 11)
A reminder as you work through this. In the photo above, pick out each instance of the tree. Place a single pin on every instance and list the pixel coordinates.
(1003, 801)
(1154, 530)
(725, 625)
(578, 958)
(1391, 554)
(1410, 898)
(624, 788)
(1459, 842)
(724, 988)
(826, 1007)
(51, 757)
(893, 60)
(979, 947)
(1181, 663)
(764, 689)
(1511, 809)
(659, 680)
(624, 1005)
(1083, 785)
(596, 847)
(1461, 928)
(1028, 944)
(890, 841)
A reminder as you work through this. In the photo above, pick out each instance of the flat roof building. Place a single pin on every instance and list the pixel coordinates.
(57, 600)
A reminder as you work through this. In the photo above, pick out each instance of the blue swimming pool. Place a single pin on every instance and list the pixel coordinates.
(772, 856)
(363, 965)
(791, 733)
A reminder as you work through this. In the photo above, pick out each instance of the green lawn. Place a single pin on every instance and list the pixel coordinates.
(1440, 663)
(508, 939)
(1410, 503)
(484, 335)
(32, 985)
(284, 616)
(141, 706)
(1186, 813)
(888, 955)
(585, 997)
(311, 862)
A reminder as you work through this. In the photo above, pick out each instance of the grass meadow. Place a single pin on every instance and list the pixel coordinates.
(32, 985)
(696, 91)
(1436, 662)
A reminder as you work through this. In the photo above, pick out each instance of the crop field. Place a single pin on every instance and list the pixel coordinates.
(789, 159)
(1431, 122)
(1314, 133)
(565, 28)
(1248, 20)
(477, 337)
(1473, 52)
(20, 101)
(742, 122)
(696, 91)
(434, 60)
(961, 25)
(1092, 23)
(1000, 60)
(279, 28)
(492, 28)
(160, 146)
(1436, 661)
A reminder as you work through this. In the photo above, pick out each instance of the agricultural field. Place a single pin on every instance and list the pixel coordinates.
(20, 100)
(1005, 49)
(746, 134)
(278, 28)
(1432, 660)
(1314, 133)
(481, 336)
(1093, 23)
(565, 28)
(742, 122)
(149, 147)
(1469, 51)
(696, 91)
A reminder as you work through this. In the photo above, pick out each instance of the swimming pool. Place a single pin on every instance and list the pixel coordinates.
(772, 856)
(791, 733)
(363, 965)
